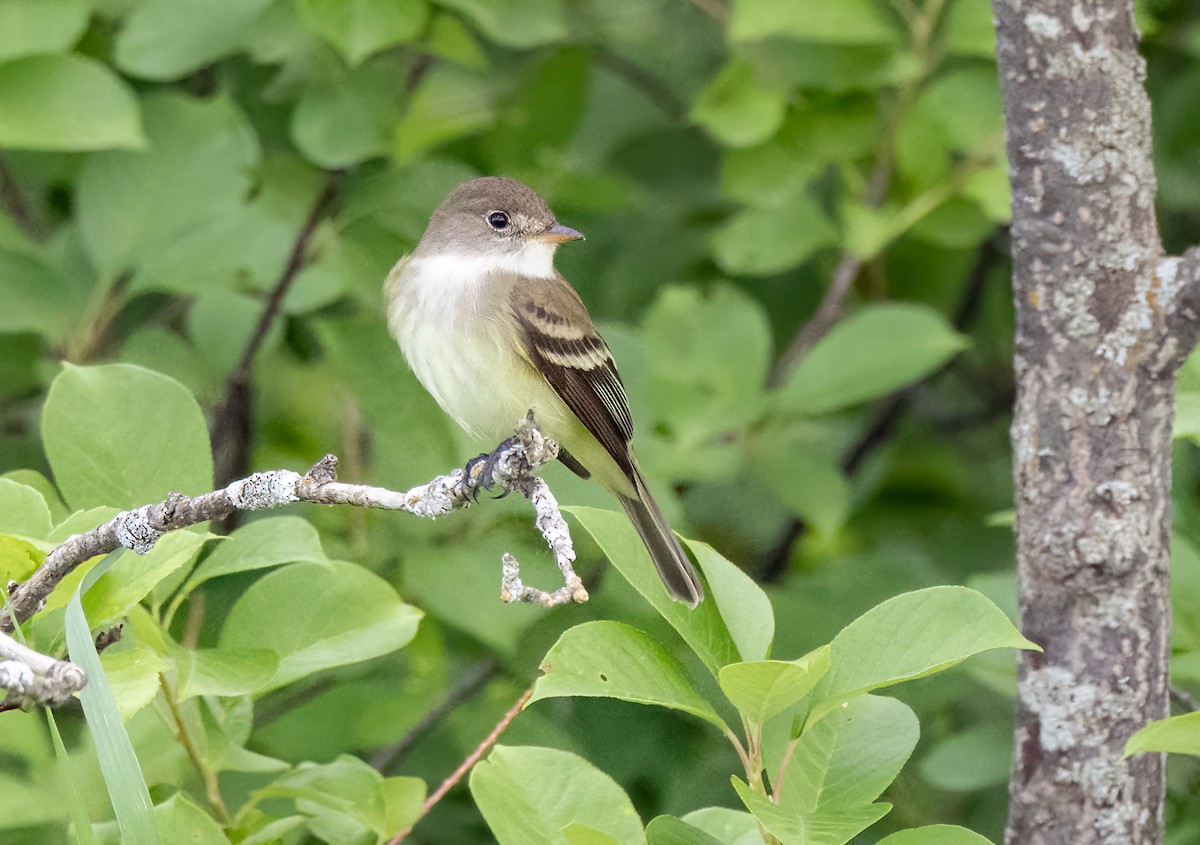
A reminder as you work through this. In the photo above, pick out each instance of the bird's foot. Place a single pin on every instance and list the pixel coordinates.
(480, 472)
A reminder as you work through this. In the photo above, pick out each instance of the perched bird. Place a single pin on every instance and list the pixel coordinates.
(493, 332)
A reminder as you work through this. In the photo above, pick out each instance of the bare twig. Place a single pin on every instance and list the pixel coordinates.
(232, 420)
(473, 680)
(33, 677)
(715, 9)
(13, 202)
(893, 408)
(509, 467)
(830, 309)
(466, 765)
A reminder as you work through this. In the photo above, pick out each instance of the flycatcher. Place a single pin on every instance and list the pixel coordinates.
(493, 331)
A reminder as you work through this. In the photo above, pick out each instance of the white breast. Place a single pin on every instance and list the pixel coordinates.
(457, 339)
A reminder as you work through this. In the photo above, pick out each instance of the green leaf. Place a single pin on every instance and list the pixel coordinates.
(708, 349)
(744, 606)
(845, 22)
(1176, 735)
(978, 758)
(515, 23)
(33, 478)
(703, 628)
(38, 298)
(118, 763)
(32, 27)
(970, 31)
(124, 436)
(224, 671)
(181, 821)
(737, 110)
(834, 66)
(766, 241)
(451, 102)
(613, 660)
(726, 825)
(131, 579)
(349, 787)
(299, 612)
(797, 465)
(348, 120)
(66, 103)
(765, 688)
(18, 558)
(260, 544)
(580, 834)
(835, 827)
(876, 350)
(936, 834)
(964, 104)
(165, 40)
(196, 170)
(529, 795)
(133, 675)
(23, 511)
(1187, 416)
(668, 830)
(358, 28)
(988, 188)
(248, 246)
(910, 636)
(849, 757)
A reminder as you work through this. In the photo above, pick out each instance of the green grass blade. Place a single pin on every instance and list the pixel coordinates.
(118, 763)
(83, 827)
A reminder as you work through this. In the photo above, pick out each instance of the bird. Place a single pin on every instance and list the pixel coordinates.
(493, 332)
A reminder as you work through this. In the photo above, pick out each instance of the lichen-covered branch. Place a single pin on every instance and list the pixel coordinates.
(510, 467)
(33, 677)
(1103, 321)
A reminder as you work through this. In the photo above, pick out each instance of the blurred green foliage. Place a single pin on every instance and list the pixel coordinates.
(158, 163)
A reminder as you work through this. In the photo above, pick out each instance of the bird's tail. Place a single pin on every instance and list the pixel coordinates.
(672, 563)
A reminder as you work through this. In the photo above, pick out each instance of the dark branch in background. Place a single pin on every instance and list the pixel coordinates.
(232, 430)
(473, 681)
(640, 78)
(830, 309)
(13, 202)
(715, 9)
(892, 409)
(1183, 325)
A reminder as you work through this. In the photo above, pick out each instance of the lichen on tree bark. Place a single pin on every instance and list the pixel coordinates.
(1103, 322)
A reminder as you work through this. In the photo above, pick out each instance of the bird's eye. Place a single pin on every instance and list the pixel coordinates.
(498, 220)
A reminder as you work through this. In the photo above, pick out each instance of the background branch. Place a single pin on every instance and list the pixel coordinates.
(233, 420)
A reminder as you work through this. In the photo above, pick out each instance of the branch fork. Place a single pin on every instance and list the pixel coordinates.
(35, 677)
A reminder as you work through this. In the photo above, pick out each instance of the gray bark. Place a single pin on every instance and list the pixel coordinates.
(1103, 322)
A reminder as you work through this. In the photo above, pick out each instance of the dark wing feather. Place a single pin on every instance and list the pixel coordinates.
(577, 364)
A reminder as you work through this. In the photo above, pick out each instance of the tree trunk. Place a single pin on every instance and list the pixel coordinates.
(1103, 322)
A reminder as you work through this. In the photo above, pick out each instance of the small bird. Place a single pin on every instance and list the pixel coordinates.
(493, 332)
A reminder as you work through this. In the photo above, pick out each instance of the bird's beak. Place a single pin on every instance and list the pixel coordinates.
(560, 234)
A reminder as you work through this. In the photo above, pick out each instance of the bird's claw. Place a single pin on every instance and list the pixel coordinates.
(480, 472)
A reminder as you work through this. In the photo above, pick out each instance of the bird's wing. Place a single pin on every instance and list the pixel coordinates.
(561, 343)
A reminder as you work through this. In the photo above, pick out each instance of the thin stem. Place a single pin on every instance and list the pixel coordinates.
(474, 679)
(212, 787)
(783, 764)
(715, 9)
(739, 748)
(922, 25)
(467, 764)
